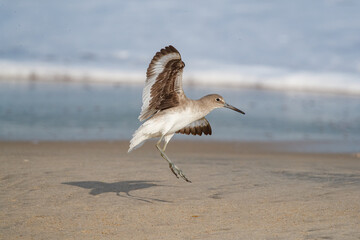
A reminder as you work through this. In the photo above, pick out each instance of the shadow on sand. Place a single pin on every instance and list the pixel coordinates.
(118, 187)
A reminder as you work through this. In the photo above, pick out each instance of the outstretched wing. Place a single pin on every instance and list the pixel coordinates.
(163, 86)
(197, 128)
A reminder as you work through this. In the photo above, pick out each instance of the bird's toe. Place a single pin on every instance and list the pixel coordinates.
(173, 168)
(184, 177)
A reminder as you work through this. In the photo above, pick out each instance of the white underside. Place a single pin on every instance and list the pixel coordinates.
(165, 124)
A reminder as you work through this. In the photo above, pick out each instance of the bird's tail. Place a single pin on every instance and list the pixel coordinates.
(137, 139)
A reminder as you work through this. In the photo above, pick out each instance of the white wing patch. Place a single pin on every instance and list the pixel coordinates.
(156, 67)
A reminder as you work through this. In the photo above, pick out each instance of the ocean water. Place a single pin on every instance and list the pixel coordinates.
(283, 45)
(318, 35)
(38, 111)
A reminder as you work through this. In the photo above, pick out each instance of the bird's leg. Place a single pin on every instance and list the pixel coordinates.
(177, 171)
(162, 152)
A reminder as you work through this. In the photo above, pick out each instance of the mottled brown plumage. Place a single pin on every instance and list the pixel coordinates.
(166, 86)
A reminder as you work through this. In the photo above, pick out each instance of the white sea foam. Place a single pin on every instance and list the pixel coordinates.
(226, 76)
(278, 79)
(17, 71)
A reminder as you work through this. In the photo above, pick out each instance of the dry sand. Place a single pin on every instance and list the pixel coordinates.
(95, 190)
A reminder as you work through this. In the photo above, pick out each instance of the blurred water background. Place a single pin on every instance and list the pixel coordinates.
(75, 70)
(92, 111)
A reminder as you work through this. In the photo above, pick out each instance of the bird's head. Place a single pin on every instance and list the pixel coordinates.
(217, 101)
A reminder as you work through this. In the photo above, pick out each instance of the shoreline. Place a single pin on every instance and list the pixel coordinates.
(272, 146)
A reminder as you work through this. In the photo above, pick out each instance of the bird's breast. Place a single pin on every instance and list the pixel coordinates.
(181, 118)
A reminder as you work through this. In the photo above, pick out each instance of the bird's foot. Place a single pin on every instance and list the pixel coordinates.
(177, 172)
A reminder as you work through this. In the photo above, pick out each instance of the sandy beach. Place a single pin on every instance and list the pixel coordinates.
(95, 190)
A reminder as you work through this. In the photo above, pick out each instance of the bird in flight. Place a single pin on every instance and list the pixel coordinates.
(166, 110)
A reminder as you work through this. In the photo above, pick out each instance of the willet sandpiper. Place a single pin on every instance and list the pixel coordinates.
(166, 108)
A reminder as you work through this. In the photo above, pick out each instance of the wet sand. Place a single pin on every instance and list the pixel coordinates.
(95, 190)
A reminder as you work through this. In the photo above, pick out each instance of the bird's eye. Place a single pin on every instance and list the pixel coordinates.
(218, 99)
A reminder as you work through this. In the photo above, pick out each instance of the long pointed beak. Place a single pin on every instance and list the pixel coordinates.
(233, 108)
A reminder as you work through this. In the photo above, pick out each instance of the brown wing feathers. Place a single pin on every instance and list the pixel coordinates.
(197, 128)
(167, 50)
(163, 92)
